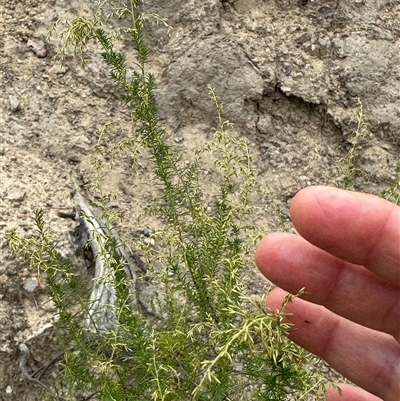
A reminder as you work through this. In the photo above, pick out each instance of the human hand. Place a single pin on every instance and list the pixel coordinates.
(348, 260)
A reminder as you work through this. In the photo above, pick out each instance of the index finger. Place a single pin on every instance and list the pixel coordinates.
(359, 228)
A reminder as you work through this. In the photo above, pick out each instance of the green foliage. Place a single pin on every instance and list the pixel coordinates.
(393, 193)
(209, 340)
(349, 166)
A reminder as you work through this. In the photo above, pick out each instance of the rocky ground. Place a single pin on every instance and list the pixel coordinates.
(288, 72)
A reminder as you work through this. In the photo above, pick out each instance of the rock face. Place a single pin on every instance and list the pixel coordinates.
(321, 53)
(289, 73)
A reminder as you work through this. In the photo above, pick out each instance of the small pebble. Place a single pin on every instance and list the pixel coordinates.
(30, 285)
(38, 47)
(14, 103)
(16, 195)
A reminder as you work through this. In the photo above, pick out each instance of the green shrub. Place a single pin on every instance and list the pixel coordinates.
(207, 339)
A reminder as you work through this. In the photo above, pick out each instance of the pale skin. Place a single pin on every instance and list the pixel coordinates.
(347, 257)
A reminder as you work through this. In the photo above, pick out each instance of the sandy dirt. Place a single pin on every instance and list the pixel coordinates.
(288, 73)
